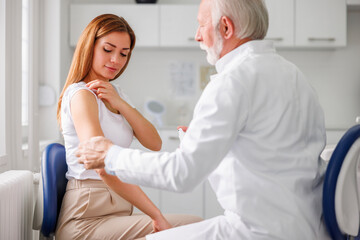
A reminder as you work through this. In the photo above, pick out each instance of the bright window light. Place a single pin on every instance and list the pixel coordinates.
(25, 62)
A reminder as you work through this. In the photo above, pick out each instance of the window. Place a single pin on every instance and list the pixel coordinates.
(25, 63)
(2, 85)
(19, 18)
(31, 38)
(10, 83)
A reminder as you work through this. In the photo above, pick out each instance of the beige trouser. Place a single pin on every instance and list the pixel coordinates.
(91, 210)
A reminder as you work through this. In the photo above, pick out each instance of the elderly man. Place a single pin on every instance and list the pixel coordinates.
(256, 135)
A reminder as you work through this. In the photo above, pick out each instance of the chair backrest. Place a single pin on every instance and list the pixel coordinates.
(340, 193)
(53, 169)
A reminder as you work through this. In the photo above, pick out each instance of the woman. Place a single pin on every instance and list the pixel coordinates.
(97, 205)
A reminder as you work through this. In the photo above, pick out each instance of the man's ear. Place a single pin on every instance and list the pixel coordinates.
(226, 27)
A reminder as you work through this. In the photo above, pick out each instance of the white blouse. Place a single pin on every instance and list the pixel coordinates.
(114, 126)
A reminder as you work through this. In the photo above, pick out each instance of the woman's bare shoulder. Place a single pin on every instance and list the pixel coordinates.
(83, 97)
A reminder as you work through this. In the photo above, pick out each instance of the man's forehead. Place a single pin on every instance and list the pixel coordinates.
(204, 14)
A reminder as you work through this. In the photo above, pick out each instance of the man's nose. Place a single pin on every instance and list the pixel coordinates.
(198, 35)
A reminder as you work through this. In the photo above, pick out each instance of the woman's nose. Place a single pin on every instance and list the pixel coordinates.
(115, 59)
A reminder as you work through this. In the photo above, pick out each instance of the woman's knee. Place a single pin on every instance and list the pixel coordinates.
(182, 219)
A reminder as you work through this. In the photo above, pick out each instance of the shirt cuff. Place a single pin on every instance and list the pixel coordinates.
(111, 156)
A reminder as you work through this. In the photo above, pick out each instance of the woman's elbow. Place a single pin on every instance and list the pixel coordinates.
(154, 144)
(157, 145)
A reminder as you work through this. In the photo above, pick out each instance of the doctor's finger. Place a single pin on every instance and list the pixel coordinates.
(84, 145)
(81, 146)
(97, 140)
(85, 153)
(93, 156)
(81, 151)
(88, 164)
(81, 159)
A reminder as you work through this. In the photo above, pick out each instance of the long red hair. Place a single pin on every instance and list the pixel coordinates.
(84, 51)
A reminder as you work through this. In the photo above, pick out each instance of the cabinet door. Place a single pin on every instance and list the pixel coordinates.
(212, 205)
(281, 22)
(320, 23)
(143, 19)
(170, 139)
(182, 203)
(152, 193)
(178, 25)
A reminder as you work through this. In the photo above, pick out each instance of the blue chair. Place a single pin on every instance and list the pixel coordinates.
(53, 169)
(341, 190)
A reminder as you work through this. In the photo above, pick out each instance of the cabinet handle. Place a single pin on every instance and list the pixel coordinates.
(173, 138)
(313, 39)
(278, 39)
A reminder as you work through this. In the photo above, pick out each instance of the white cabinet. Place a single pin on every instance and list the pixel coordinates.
(353, 5)
(152, 193)
(143, 19)
(281, 22)
(292, 23)
(170, 202)
(212, 206)
(154, 24)
(320, 23)
(307, 23)
(353, 2)
(184, 203)
(201, 201)
(178, 25)
(170, 139)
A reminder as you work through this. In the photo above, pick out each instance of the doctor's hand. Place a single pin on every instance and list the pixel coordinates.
(92, 152)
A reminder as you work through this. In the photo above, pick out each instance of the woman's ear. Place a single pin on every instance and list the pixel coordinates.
(226, 27)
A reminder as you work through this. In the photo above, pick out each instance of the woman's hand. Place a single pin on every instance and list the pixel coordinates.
(160, 224)
(105, 91)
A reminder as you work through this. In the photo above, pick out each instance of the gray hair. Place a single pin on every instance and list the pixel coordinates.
(250, 17)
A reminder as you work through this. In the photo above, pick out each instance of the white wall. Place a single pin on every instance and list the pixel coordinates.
(334, 73)
(148, 76)
(50, 70)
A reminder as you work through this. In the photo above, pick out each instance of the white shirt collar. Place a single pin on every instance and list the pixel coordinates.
(242, 50)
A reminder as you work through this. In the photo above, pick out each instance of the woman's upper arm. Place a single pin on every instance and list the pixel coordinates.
(85, 115)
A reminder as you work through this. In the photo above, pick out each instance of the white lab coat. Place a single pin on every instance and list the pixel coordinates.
(256, 135)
